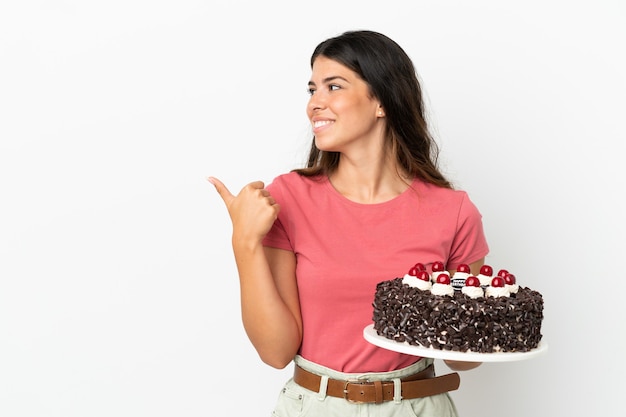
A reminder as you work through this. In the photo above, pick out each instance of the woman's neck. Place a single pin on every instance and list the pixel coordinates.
(369, 182)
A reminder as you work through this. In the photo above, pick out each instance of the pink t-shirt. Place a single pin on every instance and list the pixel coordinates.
(343, 249)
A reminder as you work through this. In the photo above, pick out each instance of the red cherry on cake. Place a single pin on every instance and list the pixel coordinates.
(423, 275)
(486, 270)
(497, 282)
(502, 273)
(463, 268)
(472, 281)
(509, 279)
(438, 266)
(443, 279)
(419, 266)
(413, 271)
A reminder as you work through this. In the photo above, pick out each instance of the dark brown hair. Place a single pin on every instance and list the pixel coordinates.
(392, 79)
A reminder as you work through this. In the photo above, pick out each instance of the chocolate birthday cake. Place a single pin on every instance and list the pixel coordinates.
(462, 312)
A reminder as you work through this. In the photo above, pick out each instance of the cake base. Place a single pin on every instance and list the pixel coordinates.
(370, 334)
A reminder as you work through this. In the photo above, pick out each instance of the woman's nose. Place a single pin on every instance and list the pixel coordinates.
(316, 102)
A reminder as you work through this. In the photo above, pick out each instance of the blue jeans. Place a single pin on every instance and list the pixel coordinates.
(296, 401)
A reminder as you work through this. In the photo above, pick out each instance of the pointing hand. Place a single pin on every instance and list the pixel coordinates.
(252, 211)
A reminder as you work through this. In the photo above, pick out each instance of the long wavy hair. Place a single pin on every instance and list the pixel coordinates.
(392, 79)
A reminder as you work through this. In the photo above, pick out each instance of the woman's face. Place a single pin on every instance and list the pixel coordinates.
(342, 112)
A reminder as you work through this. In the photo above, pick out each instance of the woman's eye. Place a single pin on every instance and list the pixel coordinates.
(331, 87)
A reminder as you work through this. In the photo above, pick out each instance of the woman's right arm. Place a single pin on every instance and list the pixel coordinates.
(270, 305)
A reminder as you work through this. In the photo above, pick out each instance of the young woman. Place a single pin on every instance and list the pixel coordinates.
(311, 246)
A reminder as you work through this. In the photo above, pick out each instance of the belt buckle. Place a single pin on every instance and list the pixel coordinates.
(345, 390)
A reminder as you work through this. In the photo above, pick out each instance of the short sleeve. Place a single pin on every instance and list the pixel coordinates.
(278, 237)
(470, 243)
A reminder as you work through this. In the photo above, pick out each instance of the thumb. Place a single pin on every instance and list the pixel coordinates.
(221, 189)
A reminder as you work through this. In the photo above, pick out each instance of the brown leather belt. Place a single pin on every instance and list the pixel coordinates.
(421, 384)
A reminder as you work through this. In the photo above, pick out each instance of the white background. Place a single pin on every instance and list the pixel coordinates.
(118, 289)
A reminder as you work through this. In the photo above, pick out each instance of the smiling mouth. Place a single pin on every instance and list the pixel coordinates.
(321, 123)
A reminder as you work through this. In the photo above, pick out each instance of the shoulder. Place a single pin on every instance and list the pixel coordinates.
(297, 194)
(293, 182)
(440, 199)
(437, 193)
